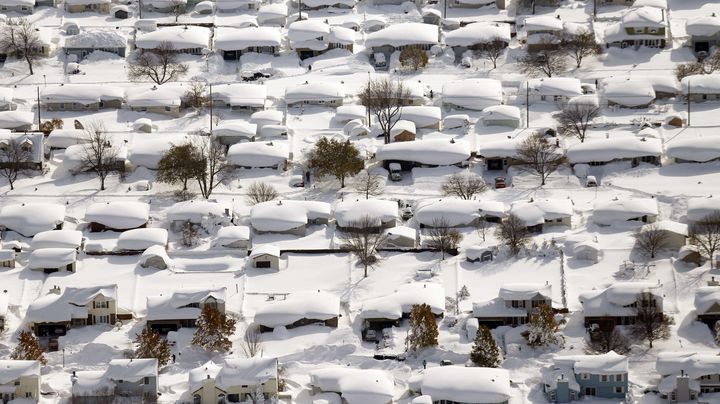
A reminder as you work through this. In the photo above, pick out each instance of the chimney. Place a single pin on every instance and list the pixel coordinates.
(682, 390)
(55, 290)
(713, 282)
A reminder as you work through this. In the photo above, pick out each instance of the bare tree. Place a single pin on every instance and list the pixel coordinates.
(603, 341)
(20, 38)
(540, 157)
(481, 227)
(575, 118)
(14, 154)
(160, 65)
(650, 238)
(580, 45)
(705, 234)
(259, 192)
(464, 185)
(384, 98)
(413, 58)
(493, 51)
(368, 184)
(363, 240)
(651, 324)
(513, 232)
(706, 66)
(99, 155)
(251, 343)
(549, 62)
(196, 95)
(442, 237)
(178, 8)
(212, 153)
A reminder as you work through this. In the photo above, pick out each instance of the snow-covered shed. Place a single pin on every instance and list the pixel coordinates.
(606, 213)
(514, 305)
(299, 309)
(381, 214)
(475, 94)
(139, 240)
(89, 41)
(229, 133)
(690, 254)
(631, 93)
(234, 42)
(57, 239)
(572, 377)
(237, 377)
(155, 257)
(701, 87)
(614, 305)
(117, 216)
(403, 131)
(355, 386)
(273, 154)
(400, 237)
(700, 207)
(32, 218)
(707, 305)
(466, 384)
(165, 99)
(477, 35)
(704, 32)
(687, 375)
(265, 256)
(240, 96)
(288, 216)
(180, 309)
(480, 253)
(190, 39)
(21, 378)
(203, 212)
(458, 212)
(403, 35)
(502, 115)
(318, 93)
(696, 149)
(537, 213)
(427, 153)
(587, 251)
(233, 237)
(626, 148)
(551, 89)
(17, 120)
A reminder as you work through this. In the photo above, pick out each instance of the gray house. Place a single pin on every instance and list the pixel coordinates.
(574, 377)
(87, 42)
(514, 304)
(136, 380)
(686, 376)
(181, 309)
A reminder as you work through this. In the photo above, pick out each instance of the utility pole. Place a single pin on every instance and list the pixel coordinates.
(527, 103)
(688, 102)
(445, 9)
(38, 107)
(140, 8)
(211, 110)
(594, 9)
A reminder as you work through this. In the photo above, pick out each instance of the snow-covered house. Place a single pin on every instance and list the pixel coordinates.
(318, 93)
(500, 154)
(397, 37)
(4, 304)
(616, 304)
(240, 97)
(155, 257)
(266, 256)
(475, 94)
(458, 212)
(587, 251)
(696, 149)
(515, 303)
(573, 377)
(639, 26)
(388, 310)
(690, 254)
(273, 154)
(355, 386)
(189, 39)
(480, 253)
(117, 216)
(136, 241)
(471, 3)
(32, 218)
(127, 378)
(50, 260)
(686, 376)
(627, 148)
(235, 237)
(165, 6)
(381, 214)
(423, 116)
(606, 213)
(19, 380)
(234, 42)
(328, 5)
(226, 6)
(700, 207)
(674, 234)
(165, 100)
(64, 138)
(459, 384)
(87, 42)
(17, 6)
(17, 120)
(234, 381)
(288, 216)
(120, 11)
(400, 237)
(701, 87)
(309, 38)
(229, 133)
(181, 309)
(274, 14)
(704, 32)
(537, 213)
(558, 90)
(202, 212)
(502, 115)
(542, 32)
(299, 309)
(424, 153)
(403, 131)
(707, 305)
(33, 150)
(631, 93)
(52, 315)
(476, 36)
(84, 6)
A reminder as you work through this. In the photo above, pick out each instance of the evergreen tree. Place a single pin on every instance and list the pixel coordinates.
(423, 328)
(213, 330)
(152, 345)
(485, 351)
(542, 328)
(28, 348)
(336, 158)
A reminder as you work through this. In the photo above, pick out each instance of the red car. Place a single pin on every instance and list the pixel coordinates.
(499, 182)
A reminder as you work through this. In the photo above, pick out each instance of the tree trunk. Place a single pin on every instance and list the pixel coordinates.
(30, 65)
(102, 182)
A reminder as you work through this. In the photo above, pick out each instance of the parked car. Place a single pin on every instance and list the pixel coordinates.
(499, 182)
(590, 181)
(395, 172)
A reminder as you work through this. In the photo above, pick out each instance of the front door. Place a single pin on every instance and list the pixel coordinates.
(589, 391)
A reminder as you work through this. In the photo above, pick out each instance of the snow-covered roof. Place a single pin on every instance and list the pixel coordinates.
(175, 306)
(142, 239)
(697, 148)
(241, 129)
(315, 305)
(79, 2)
(605, 364)
(631, 92)
(348, 112)
(500, 148)
(265, 249)
(551, 86)
(399, 232)
(258, 154)
(341, 35)
(70, 303)
(467, 384)
(96, 39)
(478, 32)
(230, 234)
(63, 138)
(701, 84)
(306, 30)
(317, 91)
(52, 257)
(13, 3)
(609, 149)
(287, 214)
(197, 210)
(668, 226)
(238, 372)
(703, 26)
(132, 370)
(15, 119)
(91, 383)
(401, 126)
(612, 300)
(180, 36)
(538, 211)
(542, 23)
(407, 33)
(699, 208)
(476, 94)
(686, 250)
(651, 3)
(357, 386)
(227, 38)
(329, 3)
(198, 375)
(706, 298)
(118, 215)
(645, 16)
(152, 252)
(693, 364)
(11, 370)
(421, 115)
(501, 113)
(32, 218)
(496, 308)
(621, 210)
(167, 95)
(147, 151)
(401, 301)
(432, 151)
(377, 210)
(524, 291)
(81, 93)
(241, 94)
(56, 239)
(457, 212)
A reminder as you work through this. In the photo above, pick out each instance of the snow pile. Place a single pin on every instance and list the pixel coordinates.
(69, 304)
(258, 154)
(286, 215)
(32, 218)
(478, 33)
(402, 34)
(142, 239)
(118, 215)
(476, 94)
(467, 384)
(431, 152)
(378, 211)
(56, 239)
(297, 306)
(457, 212)
(608, 212)
(606, 150)
(357, 386)
(399, 303)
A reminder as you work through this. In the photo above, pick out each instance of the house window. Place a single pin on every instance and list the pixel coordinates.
(653, 30)
(17, 382)
(102, 319)
(603, 378)
(28, 395)
(101, 305)
(233, 398)
(197, 399)
(262, 264)
(619, 389)
(584, 376)
(146, 380)
(619, 378)
(168, 109)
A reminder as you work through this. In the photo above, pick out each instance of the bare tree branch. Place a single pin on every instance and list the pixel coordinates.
(385, 98)
(100, 155)
(20, 38)
(464, 186)
(14, 154)
(159, 65)
(540, 157)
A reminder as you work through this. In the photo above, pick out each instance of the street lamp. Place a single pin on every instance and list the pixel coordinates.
(63, 357)
(45, 79)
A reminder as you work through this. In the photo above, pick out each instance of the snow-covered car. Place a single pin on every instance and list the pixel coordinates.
(395, 172)
(590, 181)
